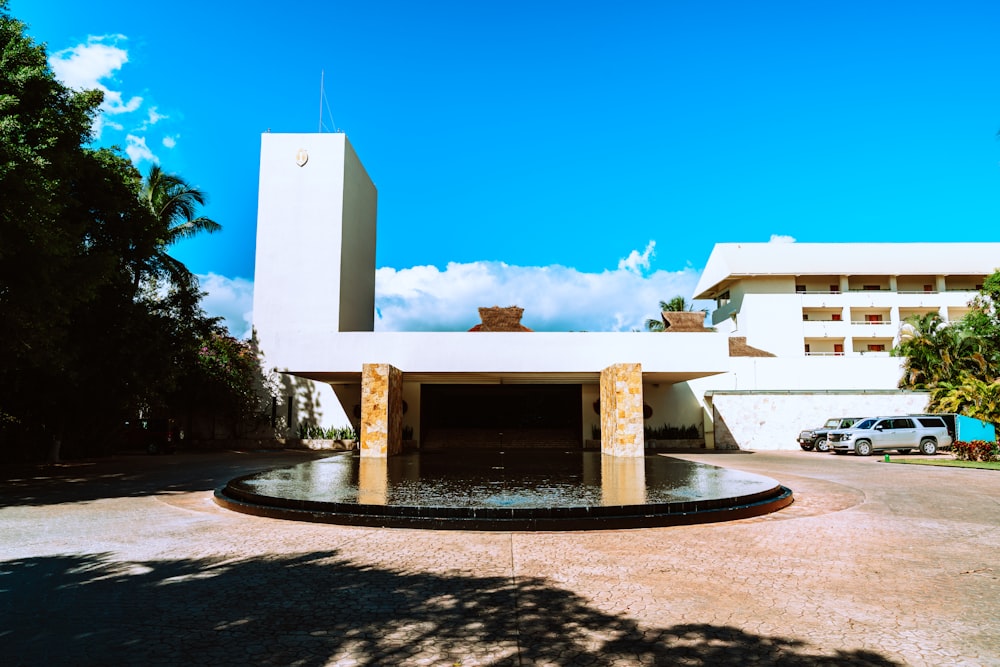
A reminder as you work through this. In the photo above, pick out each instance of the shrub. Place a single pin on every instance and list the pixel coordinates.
(668, 432)
(976, 450)
(314, 432)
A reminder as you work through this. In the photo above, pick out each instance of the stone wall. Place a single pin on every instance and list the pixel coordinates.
(772, 420)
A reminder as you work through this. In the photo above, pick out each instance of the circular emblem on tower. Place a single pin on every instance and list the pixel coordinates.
(301, 157)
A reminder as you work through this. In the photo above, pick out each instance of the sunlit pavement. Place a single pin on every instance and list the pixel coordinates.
(129, 562)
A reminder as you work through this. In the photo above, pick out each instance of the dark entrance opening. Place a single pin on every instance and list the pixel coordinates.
(500, 415)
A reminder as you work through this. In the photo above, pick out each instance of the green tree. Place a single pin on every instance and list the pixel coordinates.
(52, 265)
(937, 352)
(88, 335)
(675, 305)
(173, 204)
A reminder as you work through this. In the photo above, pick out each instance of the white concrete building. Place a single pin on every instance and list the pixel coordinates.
(803, 332)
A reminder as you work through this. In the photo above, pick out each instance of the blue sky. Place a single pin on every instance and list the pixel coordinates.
(579, 159)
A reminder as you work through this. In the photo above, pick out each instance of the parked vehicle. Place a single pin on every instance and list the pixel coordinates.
(929, 433)
(965, 428)
(816, 438)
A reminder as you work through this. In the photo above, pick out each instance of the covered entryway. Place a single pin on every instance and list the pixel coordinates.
(500, 415)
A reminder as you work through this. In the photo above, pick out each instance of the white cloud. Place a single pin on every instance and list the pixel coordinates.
(154, 117)
(780, 238)
(87, 66)
(231, 299)
(554, 298)
(169, 141)
(83, 66)
(425, 298)
(138, 151)
(636, 262)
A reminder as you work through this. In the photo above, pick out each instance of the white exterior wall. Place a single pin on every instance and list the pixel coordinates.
(315, 255)
(572, 353)
(772, 322)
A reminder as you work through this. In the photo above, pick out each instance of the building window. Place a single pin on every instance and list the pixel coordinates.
(873, 318)
(835, 317)
(928, 288)
(807, 348)
(800, 288)
(872, 288)
(805, 317)
(979, 286)
(838, 348)
(835, 289)
(876, 348)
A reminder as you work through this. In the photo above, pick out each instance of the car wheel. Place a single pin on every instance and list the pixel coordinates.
(928, 447)
(806, 446)
(863, 448)
(905, 450)
(822, 445)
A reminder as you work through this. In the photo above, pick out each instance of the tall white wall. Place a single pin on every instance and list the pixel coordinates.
(315, 256)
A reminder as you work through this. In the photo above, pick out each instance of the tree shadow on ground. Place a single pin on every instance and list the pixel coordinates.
(135, 475)
(319, 609)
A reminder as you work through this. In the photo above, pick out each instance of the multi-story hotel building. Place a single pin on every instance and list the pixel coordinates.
(839, 299)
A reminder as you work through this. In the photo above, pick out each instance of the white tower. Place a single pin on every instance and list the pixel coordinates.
(315, 264)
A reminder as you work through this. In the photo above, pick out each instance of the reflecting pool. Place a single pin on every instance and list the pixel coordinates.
(517, 489)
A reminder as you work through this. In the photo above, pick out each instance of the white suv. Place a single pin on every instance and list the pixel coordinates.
(903, 434)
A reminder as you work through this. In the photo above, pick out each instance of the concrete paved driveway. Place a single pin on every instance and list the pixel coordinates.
(129, 562)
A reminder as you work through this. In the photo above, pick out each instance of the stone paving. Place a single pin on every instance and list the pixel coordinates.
(129, 562)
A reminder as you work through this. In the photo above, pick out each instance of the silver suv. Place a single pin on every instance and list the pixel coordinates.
(903, 434)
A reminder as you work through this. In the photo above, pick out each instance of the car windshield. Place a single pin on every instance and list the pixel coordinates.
(866, 424)
(832, 423)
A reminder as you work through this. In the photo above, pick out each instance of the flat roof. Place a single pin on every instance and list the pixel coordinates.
(736, 260)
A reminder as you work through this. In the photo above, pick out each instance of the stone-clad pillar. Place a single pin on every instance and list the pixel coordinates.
(621, 410)
(381, 410)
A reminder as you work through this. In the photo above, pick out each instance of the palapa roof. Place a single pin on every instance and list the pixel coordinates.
(496, 318)
(738, 348)
(683, 321)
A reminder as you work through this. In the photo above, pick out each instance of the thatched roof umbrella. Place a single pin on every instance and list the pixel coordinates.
(500, 319)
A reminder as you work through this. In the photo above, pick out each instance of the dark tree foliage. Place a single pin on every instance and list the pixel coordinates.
(98, 322)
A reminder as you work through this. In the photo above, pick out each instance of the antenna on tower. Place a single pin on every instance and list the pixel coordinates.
(321, 96)
(323, 101)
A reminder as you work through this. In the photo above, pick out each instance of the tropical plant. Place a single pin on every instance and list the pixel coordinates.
(968, 395)
(937, 352)
(173, 204)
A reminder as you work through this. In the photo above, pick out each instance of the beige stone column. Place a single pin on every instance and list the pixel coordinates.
(621, 410)
(381, 410)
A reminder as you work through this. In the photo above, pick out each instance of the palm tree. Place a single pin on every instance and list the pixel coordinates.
(937, 352)
(173, 204)
(676, 305)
